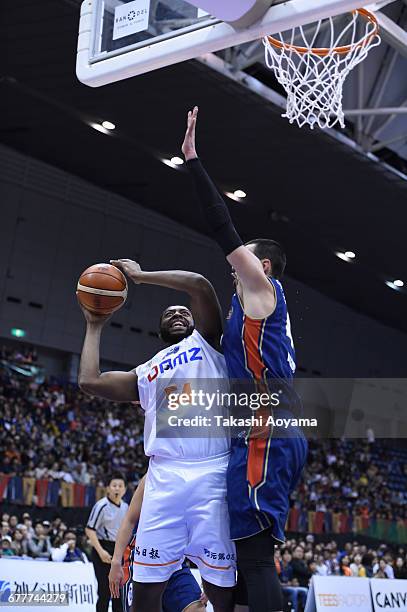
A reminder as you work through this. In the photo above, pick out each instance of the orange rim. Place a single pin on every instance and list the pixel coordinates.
(322, 52)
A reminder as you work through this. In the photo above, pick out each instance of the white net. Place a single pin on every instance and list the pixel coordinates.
(313, 77)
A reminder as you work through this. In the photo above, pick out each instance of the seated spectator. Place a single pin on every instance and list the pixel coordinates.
(69, 552)
(6, 548)
(39, 546)
(345, 569)
(400, 570)
(321, 568)
(383, 570)
(55, 527)
(367, 561)
(19, 544)
(357, 568)
(12, 522)
(295, 594)
(333, 564)
(312, 568)
(5, 528)
(301, 572)
(28, 525)
(47, 528)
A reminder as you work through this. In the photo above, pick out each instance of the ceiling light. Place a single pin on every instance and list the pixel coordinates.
(343, 256)
(396, 285)
(170, 163)
(99, 128)
(177, 161)
(108, 125)
(239, 193)
(350, 254)
(232, 196)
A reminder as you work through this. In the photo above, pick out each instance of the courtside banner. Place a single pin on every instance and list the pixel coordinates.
(339, 594)
(25, 577)
(389, 595)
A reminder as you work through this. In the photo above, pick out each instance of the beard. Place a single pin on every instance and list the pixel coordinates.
(172, 337)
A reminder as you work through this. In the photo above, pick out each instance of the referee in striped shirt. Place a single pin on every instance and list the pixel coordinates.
(103, 525)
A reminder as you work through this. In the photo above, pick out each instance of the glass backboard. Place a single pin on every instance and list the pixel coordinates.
(123, 25)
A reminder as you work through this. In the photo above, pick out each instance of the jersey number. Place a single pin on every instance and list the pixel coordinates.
(173, 390)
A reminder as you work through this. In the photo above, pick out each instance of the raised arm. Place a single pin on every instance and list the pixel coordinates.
(114, 386)
(258, 293)
(205, 306)
(123, 538)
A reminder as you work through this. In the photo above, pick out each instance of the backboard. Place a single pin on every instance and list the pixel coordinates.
(119, 39)
(119, 26)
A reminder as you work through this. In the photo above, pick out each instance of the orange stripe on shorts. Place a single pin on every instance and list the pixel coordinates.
(155, 564)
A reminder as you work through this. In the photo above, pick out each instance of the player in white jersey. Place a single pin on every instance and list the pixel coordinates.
(184, 512)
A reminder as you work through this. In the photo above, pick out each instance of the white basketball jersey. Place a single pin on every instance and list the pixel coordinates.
(192, 364)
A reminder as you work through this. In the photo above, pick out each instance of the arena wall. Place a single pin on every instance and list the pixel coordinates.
(54, 225)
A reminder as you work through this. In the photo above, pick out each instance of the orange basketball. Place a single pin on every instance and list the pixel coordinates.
(102, 289)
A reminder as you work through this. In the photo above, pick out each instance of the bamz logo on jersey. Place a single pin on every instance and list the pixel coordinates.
(192, 354)
(172, 351)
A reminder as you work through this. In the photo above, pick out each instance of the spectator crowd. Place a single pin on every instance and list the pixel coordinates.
(297, 560)
(53, 433)
(367, 480)
(43, 541)
(56, 433)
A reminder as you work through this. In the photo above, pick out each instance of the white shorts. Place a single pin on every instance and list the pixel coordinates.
(185, 514)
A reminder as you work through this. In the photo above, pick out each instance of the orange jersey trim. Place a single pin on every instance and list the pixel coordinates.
(156, 564)
(208, 564)
(252, 338)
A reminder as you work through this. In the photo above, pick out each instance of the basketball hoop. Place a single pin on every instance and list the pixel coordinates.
(313, 77)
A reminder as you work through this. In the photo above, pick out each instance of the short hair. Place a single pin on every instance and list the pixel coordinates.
(272, 250)
(116, 476)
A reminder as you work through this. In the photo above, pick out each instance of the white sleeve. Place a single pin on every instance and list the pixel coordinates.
(140, 370)
(59, 554)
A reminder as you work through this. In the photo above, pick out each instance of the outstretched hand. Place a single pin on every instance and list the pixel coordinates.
(188, 146)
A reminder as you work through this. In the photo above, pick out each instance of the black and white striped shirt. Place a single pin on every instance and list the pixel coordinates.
(106, 517)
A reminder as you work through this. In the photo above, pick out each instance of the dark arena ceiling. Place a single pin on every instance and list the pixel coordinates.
(306, 189)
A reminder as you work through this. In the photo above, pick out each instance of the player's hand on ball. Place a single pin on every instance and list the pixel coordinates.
(92, 318)
(116, 577)
(130, 268)
(188, 146)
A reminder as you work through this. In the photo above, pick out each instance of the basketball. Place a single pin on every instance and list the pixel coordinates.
(102, 289)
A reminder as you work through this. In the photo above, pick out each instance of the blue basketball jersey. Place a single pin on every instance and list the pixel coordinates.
(265, 464)
(259, 348)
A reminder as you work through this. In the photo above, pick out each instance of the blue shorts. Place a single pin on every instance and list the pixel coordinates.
(262, 474)
(182, 589)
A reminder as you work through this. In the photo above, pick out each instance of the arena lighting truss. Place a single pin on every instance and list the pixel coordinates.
(377, 130)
